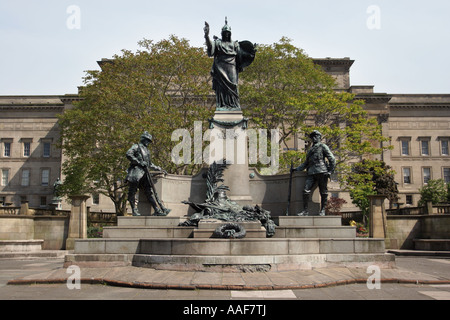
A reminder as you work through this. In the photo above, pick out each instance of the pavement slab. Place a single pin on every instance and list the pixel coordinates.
(129, 276)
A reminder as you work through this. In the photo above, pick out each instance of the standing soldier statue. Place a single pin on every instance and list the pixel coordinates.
(139, 176)
(319, 170)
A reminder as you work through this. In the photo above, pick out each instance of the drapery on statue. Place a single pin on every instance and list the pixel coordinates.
(230, 58)
(139, 176)
(318, 171)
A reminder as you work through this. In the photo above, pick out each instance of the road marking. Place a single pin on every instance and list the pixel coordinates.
(440, 260)
(437, 295)
(275, 294)
(440, 285)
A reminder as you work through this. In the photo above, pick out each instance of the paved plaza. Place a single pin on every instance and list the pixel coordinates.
(414, 278)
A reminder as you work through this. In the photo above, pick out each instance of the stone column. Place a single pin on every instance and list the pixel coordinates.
(24, 208)
(229, 141)
(78, 221)
(429, 207)
(377, 218)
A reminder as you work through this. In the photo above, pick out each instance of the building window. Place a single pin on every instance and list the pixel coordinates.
(7, 149)
(426, 173)
(335, 195)
(409, 200)
(404, 144)
(95, 198)
(444, 147)
(407, 175)
(43, 201)
(446, 175)
(47, 149)
(27, 149)
(25, 177)
(425, 146)
(334, 177)
(5, 177)
(45, 177)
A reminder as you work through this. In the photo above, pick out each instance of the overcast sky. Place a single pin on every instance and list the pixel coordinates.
(399, 46)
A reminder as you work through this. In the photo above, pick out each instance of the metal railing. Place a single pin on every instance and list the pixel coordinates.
(107, 218)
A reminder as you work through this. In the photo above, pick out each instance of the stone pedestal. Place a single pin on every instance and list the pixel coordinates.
(78, 221)
(229, 141)
(377, 217)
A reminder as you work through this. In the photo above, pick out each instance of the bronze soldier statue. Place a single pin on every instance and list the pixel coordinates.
(139, 177)
(320, 164)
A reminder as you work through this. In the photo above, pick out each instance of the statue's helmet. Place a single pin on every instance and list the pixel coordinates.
(315, 133)
(147, 136)
(226, 27)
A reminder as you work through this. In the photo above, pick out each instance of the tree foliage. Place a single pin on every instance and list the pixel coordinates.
(435, 191)
(159, 88)
(166, 85)
(371, 177)
(283, 89)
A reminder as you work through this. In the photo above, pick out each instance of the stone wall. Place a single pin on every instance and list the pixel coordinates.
(402, 230)
(269, 192)
(52, 229)
(16, 227)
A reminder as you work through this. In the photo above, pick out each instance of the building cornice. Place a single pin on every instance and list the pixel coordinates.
(418, 106)
(330, 62)
(374, 97)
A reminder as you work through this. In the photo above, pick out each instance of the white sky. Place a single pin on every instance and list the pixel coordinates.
(40, 55)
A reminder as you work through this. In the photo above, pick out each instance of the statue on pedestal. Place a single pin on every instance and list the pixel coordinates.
(230, 58)
(139, 176)
(218, 206)
(319, 171)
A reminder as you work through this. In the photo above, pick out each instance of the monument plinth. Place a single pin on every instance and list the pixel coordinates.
(229, 143)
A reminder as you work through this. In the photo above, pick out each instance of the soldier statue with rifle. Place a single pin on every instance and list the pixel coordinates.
(139, 177)
(320, 163)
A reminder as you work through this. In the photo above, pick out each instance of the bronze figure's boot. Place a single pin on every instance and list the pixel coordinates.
(323, 204)
(305, 212)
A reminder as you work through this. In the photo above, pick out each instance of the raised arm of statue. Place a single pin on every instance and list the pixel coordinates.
(206, 30)
(209, 44)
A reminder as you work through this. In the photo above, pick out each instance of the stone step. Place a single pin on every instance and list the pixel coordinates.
(21, 245)
(138, 232)
(232, 263)
(432, 244)
(231, 247)
(154, 221)
(169, 221)
(214, 223)
(250, 233)
(315, 232)
(206, 228)
(283, 221)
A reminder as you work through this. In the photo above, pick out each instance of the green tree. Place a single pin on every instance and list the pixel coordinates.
(159, 88)
(434, 191)
(283, 89)
(166, 85)
(371, 177)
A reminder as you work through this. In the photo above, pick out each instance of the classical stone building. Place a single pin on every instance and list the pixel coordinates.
(30, 161)
(418, 126)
